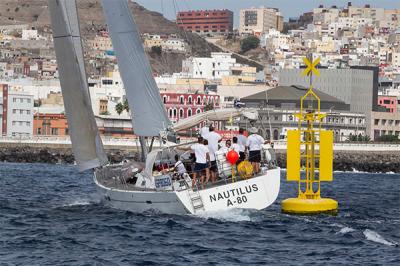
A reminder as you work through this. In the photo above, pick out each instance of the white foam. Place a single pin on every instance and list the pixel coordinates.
(375, 237)
(233, 215)
(346, 230)
(78, 202)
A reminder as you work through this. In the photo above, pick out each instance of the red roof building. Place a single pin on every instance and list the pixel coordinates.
(206, 21)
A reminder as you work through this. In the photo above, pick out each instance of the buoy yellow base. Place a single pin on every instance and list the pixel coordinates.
(309, 206)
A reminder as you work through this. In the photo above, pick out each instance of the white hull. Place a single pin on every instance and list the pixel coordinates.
(256, 193)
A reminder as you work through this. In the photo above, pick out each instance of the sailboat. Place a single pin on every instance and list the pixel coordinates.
(131, 185)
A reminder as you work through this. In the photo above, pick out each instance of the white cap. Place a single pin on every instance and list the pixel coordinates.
(253, 130)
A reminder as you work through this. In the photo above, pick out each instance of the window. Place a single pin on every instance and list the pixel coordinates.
(20, 123)
(29, 100)
(28, 124)
(376, 122)
(21, 111)
(28, 112)
(198, 100)
(165, 99)
(54, 131)
(13, 123)
(14, 100)
(189, 112)
(181, 113)
(39, 131)
(14, 111)
(181, 100)
(190, 100)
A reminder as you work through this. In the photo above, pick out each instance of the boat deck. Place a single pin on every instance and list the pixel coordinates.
(114, 178)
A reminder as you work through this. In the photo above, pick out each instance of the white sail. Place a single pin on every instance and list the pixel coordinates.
(149, 116)
(214, 115)
(86, 142)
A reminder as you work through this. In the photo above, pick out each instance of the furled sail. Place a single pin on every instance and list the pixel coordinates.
(214, 115)
(149, 117)
(86, 142)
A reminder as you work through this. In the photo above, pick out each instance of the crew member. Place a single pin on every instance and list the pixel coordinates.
(213, 139)
(179, 166)
(254, 142)
(241, 141)
(202, 155)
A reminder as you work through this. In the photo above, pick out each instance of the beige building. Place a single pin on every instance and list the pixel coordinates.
(100, 43)
(259, 20)
(384, 123)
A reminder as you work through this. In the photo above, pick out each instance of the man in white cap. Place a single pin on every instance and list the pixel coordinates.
(253, 144)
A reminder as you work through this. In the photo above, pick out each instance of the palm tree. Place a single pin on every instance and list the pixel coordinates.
(119, 108)
(126, 106)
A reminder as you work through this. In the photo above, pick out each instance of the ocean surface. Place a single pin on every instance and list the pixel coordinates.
(51, 215)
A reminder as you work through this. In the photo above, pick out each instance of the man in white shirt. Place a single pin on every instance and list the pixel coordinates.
(254, 142)
(205, 130)
(241, 141)
(179, 166)
(213, 139)
(202, 155)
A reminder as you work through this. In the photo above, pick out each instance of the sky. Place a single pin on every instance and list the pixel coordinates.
(289, 8)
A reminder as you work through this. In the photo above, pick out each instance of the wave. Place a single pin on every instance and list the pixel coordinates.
(346, 230)
(233, 215)
(375, 237)
(78, 202)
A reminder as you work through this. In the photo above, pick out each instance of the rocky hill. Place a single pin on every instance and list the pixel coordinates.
(35, 12)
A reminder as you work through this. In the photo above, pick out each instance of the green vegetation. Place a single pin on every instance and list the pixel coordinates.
(249, 43)
(126, 105)
(119, 108)
(105, 113)
(359, 138)
(388, 138)
(156, 50)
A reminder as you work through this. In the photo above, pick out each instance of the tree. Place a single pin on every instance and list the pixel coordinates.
(105, 113)
(156, 50)
(126, 105)
(388, 138)
(119, 108)
(249, 43)
(208, 107)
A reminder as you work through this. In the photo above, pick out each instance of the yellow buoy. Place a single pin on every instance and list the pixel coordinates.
(317, 165)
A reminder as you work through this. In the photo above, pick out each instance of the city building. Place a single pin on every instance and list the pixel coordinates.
(356, 87)
(206, 21)
(183, 105)
(17, 113)
(384, 123)
(50, 124)
(278, 107)
(212, 68)
(258, 21)
(391, 103)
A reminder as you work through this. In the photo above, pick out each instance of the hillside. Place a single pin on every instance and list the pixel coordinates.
(35, 12)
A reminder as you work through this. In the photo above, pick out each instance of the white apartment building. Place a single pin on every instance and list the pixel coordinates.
(259, 20)
(30, 35)
(212, 68)
(19, 118)
(174, 45)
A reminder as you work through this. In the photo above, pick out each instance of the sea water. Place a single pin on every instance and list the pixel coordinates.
(52, 215)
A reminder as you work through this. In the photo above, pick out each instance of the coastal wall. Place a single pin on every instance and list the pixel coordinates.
(365, 161)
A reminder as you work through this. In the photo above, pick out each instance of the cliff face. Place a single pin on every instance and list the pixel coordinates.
(91, 16)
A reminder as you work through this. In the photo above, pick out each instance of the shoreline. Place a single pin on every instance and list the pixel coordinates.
(345, 161)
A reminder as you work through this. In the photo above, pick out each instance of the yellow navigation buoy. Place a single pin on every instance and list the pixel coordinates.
(310, 140)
